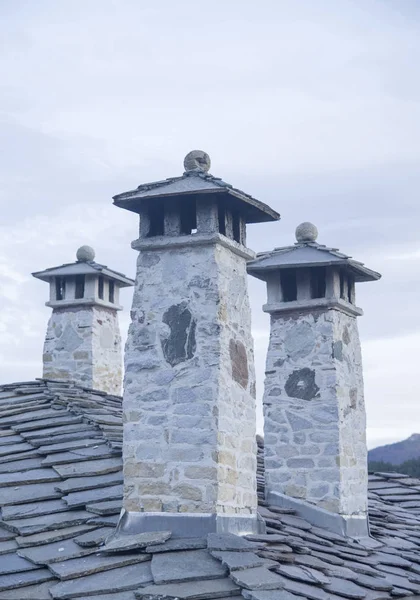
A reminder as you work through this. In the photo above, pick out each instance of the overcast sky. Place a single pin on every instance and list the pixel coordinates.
(312, 106)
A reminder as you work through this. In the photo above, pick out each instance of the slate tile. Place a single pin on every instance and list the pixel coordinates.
(32, 476)
(34, 492)
(359, 567)
(257, 578)
(12, 563)
(90, 467)
(94, 563)
(78, 484)
(50, 433)
(5, 534)
(93, 538)
(205, 590)
(108, 507)
(78, 455)
(115, 580)
(228, 541)
(177, 544)
(311, 592)
(48, 522)
(71, 445)
(297, 522)
(27, 464)
(125, 543)
(110, 521)
(32, 416)
(33, 509)
(402, 582)
(345, 588)
(46, 537)
(186, 565)
(45, 423)
(30, 592)
(54, 552)
(304, 574)
(328, 558)
(236, 561)
(18, 580)
(10, 439)
(269, 595)
(8, 546)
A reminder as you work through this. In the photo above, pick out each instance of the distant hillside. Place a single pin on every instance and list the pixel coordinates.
(398, 453)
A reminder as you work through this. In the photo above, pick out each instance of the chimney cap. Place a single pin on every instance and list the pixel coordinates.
(306, 232)
(197, 160)
(85, 254)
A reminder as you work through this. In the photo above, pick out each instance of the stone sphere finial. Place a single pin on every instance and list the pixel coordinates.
(306, 232)
(197, 160)
(85, 254)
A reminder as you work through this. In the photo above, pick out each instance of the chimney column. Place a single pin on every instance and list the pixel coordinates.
(314, 411)
(189, 390)
(83, 341)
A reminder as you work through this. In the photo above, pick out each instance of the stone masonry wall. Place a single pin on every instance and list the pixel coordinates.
(189, 391)
(315, 424)
(83, 344)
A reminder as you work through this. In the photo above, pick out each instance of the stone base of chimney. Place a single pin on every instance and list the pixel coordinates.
(188, 525)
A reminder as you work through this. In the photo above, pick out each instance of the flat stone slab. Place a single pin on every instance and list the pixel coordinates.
(70, 445)
(269, 595)
(125, 543)
(78, 455)
(12, 563)
(257, 578)
(345, 588)
(106, 582)
(108, 507)
(32, 476)
(8, 546)
(18, 580)
(205, 590)
(178, 544)
(89, 467)
(187, 565)
(94, 563)
(54, 552)
(304, 574)
(26, 464)
(45, 423)
(49, 522)
(94, 538)
(46, 537)
(228, 541)
(29, 592)
(33, 509)
(14, 449)
(78, 499)
(236, 561)
(53, 433)
(24, 493)
(78, 484)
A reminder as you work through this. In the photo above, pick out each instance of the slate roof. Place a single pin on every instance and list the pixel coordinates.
(197, 183)
(308, 254)
(61, 494)
(88, 267)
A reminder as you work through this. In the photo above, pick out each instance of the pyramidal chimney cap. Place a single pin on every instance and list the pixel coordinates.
(85, 254)
(306, 232)
(197, 160)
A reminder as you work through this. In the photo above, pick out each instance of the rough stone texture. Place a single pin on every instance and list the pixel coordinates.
(315, 424)
(189, 406)
(83, 344)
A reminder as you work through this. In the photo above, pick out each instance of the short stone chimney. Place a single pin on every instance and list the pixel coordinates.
(314, 411)
(83, 341)
(189, 391)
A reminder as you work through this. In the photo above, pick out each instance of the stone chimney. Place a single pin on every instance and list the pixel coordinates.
(314, 411)
(83, 341)
(189, 390)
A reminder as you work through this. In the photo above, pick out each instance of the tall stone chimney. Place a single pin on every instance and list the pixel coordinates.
(83, 341)
(314, 411)
(189, 390)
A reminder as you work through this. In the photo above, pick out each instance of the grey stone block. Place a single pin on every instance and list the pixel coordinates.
(188, 565)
